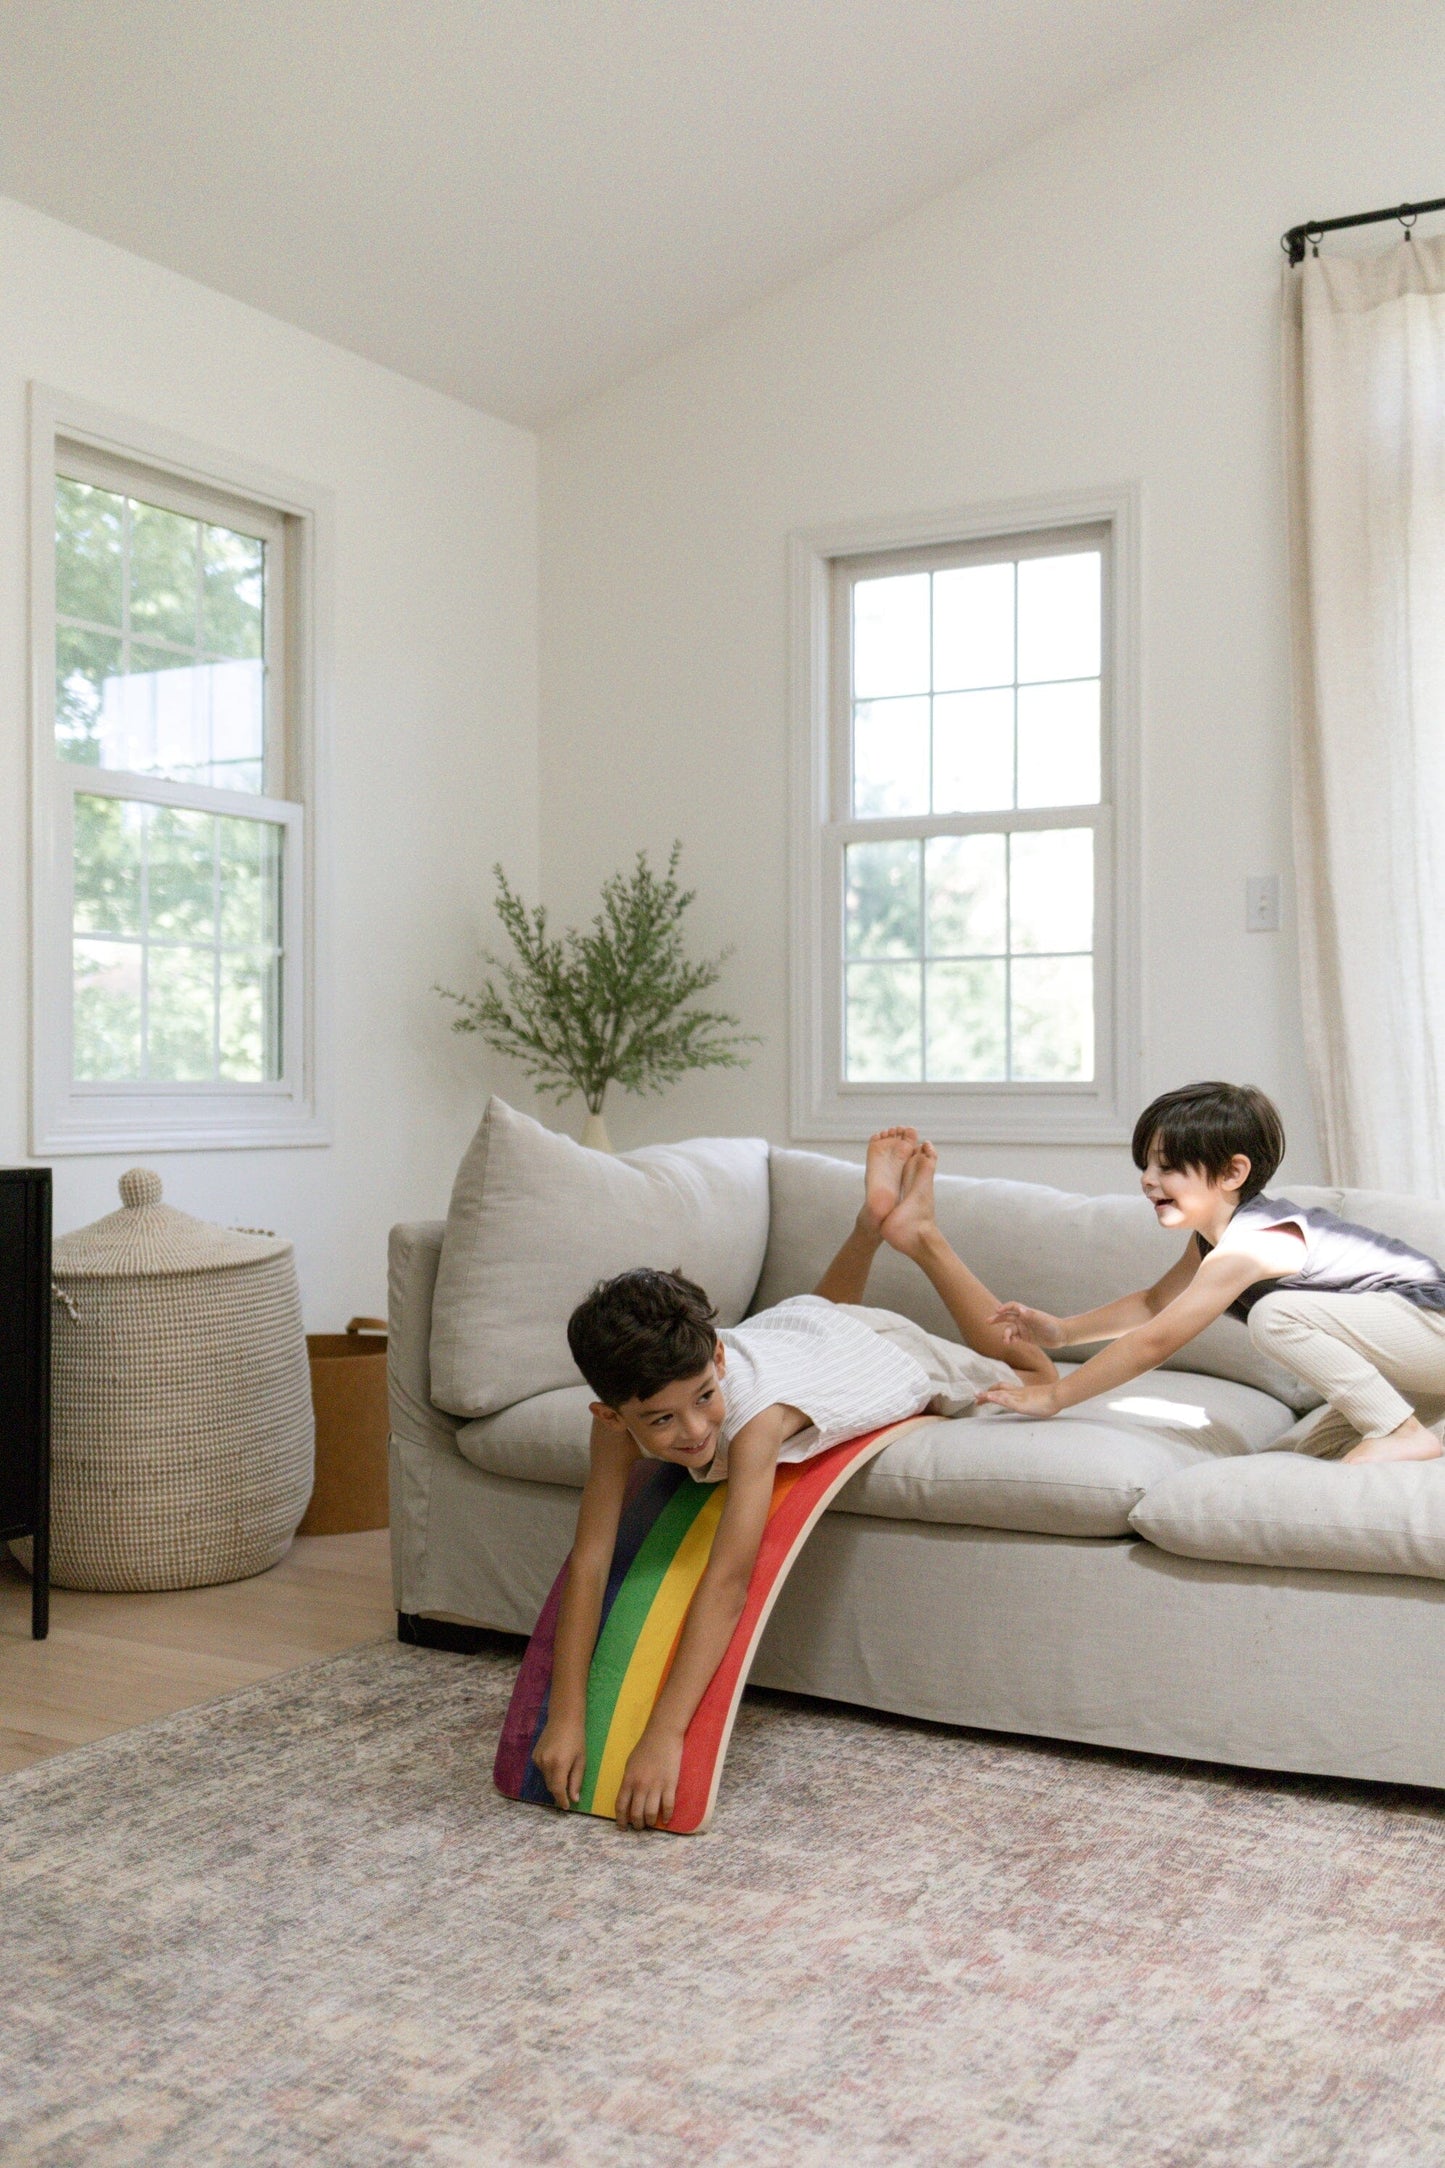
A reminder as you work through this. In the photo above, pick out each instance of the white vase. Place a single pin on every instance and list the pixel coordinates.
(594, 1134)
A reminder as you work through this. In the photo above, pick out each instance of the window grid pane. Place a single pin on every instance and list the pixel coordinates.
(919, 937)
(160, 622)
(1027, 628)
(1027, 952)
(177, 944)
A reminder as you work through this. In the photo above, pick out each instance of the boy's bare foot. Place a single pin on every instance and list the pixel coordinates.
(912, 1216)
(889, 1152)
(1412, 1441)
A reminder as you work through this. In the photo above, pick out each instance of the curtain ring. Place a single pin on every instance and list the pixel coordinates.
(1314, 235)
(1407, 220)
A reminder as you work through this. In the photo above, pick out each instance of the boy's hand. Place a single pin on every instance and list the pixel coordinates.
(1021, 1323)
(648, 1790)
(561, 1755)
(1025, 1399)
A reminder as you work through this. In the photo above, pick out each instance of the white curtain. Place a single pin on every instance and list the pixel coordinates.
(1365, 408)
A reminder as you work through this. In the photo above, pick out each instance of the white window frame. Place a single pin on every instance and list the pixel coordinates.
(824, 1104)
(72, 435)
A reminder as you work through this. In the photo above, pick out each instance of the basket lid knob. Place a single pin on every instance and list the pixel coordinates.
(140, 1186)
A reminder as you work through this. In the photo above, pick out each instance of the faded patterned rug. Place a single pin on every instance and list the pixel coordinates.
(298, 1926)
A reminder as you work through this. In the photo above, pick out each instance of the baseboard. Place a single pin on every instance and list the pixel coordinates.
(421, 1632)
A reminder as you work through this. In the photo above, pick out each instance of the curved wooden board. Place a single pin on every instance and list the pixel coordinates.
(664, 1540)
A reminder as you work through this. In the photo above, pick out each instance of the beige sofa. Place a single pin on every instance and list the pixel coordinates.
(1163, 1570)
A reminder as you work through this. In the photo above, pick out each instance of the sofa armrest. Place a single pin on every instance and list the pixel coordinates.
(413, 1254)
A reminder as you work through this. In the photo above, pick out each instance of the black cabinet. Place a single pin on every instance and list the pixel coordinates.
(25, 1373)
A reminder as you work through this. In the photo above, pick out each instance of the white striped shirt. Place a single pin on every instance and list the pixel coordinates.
(819, 1357)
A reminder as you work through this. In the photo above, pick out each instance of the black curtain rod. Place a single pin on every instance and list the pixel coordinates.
(1295, 242)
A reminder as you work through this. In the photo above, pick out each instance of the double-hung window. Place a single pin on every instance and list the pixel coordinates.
(963, 914)
(175, 938)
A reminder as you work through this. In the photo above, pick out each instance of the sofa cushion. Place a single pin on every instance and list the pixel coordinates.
(1420, 1221)
(1077, 1474)
(536, 1220)
(541, 1440)
(1289, 1509)
(1047, 1247)
(1080, 1474)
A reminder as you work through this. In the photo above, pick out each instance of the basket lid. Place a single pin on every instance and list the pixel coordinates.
(146, 1238)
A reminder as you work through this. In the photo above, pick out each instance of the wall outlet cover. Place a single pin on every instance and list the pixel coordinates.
(1262, 903)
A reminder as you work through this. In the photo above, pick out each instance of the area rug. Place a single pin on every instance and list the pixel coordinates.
(300, 1926)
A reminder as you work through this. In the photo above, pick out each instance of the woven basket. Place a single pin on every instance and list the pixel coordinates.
(182, 1441)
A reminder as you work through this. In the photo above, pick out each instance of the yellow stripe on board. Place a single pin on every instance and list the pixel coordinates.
(643, 1678)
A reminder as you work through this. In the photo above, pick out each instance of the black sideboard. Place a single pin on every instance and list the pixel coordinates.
(25, 1374)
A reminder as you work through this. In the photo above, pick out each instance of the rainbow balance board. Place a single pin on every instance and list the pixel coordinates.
(664, 1539)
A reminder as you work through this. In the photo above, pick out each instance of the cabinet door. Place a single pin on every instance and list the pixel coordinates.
(24, 1344)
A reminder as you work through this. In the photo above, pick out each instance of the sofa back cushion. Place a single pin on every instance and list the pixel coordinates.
(1420, 1221)
(536, 1220)
(1047, 1247)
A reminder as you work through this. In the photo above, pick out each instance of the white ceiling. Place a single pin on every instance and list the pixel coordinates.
(521, 200)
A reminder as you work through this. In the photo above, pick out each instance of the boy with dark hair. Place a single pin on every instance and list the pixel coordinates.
(1359, 1317)
(730, 1405)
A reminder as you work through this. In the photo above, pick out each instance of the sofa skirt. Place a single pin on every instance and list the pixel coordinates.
(1105, 1641)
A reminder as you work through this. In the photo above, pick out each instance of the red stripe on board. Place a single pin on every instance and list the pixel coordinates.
(788, 1522)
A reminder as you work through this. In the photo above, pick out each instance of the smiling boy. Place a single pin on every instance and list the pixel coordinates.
(1356, 1315)
(783, 1385)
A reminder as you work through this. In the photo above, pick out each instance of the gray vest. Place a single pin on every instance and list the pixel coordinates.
(1340, 1258)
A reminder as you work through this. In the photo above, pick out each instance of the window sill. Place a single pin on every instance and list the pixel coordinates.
(143, 1126)
(948, 1116)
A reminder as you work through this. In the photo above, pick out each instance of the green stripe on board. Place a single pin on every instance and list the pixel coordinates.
(626, 1619)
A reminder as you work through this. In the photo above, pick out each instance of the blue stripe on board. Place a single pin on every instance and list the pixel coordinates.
(650, 1486)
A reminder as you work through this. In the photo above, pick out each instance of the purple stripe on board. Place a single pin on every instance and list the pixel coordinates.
(527, 1710)
(649, 1487)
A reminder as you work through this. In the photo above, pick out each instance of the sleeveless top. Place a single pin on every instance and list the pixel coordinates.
(1339, 1259)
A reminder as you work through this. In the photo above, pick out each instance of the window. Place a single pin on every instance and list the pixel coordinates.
(963, 928)
(175, 744)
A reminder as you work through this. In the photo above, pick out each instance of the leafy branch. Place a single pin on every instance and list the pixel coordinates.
(609, 1005)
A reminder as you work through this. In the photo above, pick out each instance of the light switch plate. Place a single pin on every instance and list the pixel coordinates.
(1261, 903)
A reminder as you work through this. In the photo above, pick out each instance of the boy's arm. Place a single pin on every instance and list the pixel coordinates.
(1211, 1290)
(649, 1783)
(1106, 1323)
(561, 1752)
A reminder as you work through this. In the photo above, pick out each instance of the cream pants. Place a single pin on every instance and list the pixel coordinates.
(1375, 1359)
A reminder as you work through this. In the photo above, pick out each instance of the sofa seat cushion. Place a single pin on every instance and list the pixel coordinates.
(1289, 1509)
(1077, 1474)
(1049, 1247)
(1080, 1474)
(541, 1440)
(535, 1221)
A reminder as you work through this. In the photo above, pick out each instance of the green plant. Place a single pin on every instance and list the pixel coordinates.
(582, 1010)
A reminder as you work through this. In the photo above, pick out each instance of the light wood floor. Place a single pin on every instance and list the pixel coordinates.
(114, 1661)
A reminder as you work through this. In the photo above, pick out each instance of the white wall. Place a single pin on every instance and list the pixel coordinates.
(434, 731)
(1101, 306)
